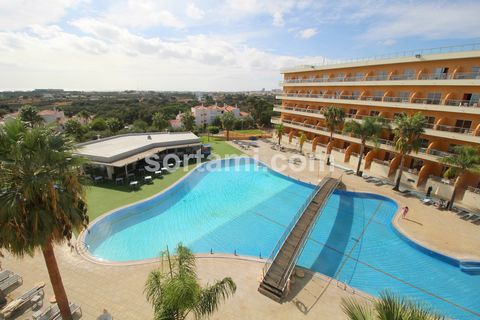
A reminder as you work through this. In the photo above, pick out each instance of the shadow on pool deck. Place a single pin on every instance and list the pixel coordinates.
(330, 257)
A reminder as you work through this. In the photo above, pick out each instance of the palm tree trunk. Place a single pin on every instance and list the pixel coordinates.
(452, 198)
(400, 171)
(279, 139)
(56, 280)
(228, 135)
(362, 150)
(328, 154)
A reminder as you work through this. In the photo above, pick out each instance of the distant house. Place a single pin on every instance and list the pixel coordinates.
(52, 116)
(205, 115)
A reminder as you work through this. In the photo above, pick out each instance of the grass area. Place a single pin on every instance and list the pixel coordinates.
(221, 147)
(108, 196)
(250, 131)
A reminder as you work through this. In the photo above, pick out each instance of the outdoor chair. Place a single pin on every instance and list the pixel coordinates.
(33, 296)
(10, 282)
(53, 312)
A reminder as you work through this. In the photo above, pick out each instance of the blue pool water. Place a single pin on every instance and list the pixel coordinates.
(243, 209)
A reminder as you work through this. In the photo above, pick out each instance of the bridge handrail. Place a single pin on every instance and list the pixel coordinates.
(290, 226)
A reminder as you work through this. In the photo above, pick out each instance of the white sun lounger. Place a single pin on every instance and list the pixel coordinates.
(53, 312)
(11, 280)
(34, 294)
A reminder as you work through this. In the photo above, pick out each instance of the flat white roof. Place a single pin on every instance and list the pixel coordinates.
(115, 148)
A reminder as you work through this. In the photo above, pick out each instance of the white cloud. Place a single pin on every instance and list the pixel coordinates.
(113, 58)
(308, 33)
(142, 14)
(194, 12)
(21, 14)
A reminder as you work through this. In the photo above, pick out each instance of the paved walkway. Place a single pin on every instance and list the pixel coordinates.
(119, 289)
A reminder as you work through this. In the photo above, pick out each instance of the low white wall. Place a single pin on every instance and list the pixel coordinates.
(440, 189)
(378, 169)
(338, 156)
(471, 200)
(409, 179)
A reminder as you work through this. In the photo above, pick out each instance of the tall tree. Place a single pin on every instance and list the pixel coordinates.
(260, 110)
(29, 115)
(388, 307)
(114, 125)
(301, 140)
(75, 129)
(84, 115)
(42, 200)
(228, 122)
(176, 293)
(334, 118)
(369, 129)
(464, 158)
(279, 130)
(159, 121)
(188, 120)
(406, 139)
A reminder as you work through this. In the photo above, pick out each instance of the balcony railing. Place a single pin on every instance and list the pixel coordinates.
(432, 126)
(474, 190)
(386, 142)
(410, 53)
(394, 77)
(433, 101)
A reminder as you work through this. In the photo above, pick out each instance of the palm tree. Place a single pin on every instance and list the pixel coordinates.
(407, 133)
(29, 115)
(279, 129)
(302, 140)
(367, 130)
(42, 200)
(176, 293)
(83, 114)
(334, 118)
(388, 307)
(465, 158)
(228, 122)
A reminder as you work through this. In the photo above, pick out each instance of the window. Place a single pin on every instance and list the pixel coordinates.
(337, 94)
(424, 143)
(404, 96)
(359, 76)
(355, 94)
(440, 73)
(474, 99)
(340, 76)
(430, 121)
(377, 95)
(352, 113)
(382, 75)
(374, 113)
(325, 77)
(476, 72)
(451, 147)
(409, 74)
(462, 126)
(434, 97)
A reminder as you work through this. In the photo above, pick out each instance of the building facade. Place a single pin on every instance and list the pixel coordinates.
(444, 87)
(205, 115)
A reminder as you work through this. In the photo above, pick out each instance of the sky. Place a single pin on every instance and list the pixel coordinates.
(209, 45)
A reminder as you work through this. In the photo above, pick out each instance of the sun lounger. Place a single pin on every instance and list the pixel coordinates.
(33, 295)
(427, 201)
(475, 219)
(53, 312)
(5, 274)
(11, 281)
(469, 216)
(349, 171)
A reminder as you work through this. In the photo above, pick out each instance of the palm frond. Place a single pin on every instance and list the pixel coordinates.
(355, 310)
(212, 296)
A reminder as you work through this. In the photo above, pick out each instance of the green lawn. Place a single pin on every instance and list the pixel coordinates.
(108, 196)
(220, 147)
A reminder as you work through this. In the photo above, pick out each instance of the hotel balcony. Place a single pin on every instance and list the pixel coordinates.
(387, 145)
(442, 131)
(427, 79)
(426, 104)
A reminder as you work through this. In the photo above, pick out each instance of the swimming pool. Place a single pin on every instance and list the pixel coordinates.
(237, 207)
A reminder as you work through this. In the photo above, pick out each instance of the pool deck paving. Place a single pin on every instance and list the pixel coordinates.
(119, 289)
